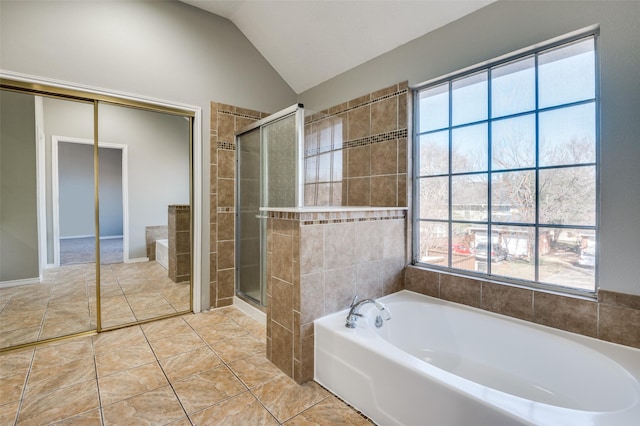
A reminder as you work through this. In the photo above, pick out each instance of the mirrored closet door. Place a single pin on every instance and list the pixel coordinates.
(144, 214)
(95, 213)
(45, 291)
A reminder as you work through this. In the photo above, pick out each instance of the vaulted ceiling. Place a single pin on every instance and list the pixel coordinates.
(310, 41)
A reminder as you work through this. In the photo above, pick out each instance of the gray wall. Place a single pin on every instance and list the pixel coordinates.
(158, 164)
(18, 216)
(76, 190)
(159, 49)
(110, 169)
(69, 119)
(504, 27)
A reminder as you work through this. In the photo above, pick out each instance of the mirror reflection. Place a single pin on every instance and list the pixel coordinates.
(150, 229)
(48, 221)
(39, 299)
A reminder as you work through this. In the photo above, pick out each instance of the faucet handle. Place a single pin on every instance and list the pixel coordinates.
(353, 302)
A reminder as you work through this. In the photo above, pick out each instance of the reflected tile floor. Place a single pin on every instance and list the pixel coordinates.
(203, 369)
(65, 301)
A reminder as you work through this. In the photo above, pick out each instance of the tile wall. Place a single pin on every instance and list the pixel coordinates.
(153, 233)
(179, 232)
(225, 121)
(316, 263)
(356, 152)
(614, 317)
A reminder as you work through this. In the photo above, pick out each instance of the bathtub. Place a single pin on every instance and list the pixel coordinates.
(441, 363)
(162, 253)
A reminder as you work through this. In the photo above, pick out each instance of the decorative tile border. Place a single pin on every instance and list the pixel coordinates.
(179, 207)
(226, 210)
(369, 140)
(229, 146)
(351, 105)
(238, 114)
(323, 218)
(382, 137)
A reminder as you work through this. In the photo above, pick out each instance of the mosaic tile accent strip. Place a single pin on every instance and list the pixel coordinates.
(229, 146)
(323, 218)
(238, 114)
(180, 206)
(369, 140)
(383, 137)
(226, 210)
(349, 106)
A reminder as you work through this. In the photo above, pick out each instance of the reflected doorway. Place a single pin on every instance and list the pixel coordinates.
(73, 191)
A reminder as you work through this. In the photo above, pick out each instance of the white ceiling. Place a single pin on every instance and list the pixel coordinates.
(311, 41)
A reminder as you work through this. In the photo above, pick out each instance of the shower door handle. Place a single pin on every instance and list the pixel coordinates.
(258, 216)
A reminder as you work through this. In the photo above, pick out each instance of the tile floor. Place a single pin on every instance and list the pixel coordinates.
(203, 369)
(65, 301)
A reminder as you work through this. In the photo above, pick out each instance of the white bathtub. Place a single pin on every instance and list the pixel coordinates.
(441, 363)
(162, 253)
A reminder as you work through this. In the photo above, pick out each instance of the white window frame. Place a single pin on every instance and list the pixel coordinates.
(590, 32)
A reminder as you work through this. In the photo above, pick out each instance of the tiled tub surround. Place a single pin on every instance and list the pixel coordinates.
(317, 260)
(179, 234)
(356, 152)
(153, 233)
(614, 317)
(225, 121)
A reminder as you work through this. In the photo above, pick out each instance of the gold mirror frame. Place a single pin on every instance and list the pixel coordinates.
(96, 98)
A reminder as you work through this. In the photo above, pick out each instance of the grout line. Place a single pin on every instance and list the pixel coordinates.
(165, 374)
(228, 365)
(24, 388)
(360, 413)
(95, 368)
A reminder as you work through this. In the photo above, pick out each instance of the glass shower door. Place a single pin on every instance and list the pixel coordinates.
(248, 215)
(268, 176)
(280, 163)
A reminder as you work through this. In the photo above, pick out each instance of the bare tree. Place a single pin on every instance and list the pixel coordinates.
(565, 192)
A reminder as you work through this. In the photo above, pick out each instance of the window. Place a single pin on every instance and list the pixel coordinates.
(505, 169)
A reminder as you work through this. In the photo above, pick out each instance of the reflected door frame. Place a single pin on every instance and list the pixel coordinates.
(55, 194)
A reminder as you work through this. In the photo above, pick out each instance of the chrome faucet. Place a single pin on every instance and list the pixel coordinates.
(354, 312)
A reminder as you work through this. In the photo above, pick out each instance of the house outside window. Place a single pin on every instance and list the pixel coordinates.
(505, 168)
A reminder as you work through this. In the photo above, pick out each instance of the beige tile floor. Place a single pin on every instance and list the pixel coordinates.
(65, 301)
(203, 369)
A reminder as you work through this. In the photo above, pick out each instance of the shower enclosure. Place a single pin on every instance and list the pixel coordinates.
(269, 174)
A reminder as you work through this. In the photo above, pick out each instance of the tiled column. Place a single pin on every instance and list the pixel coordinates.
(317, 262)
(179, 243)
(281, 279)
(153, 233)
(225, 121)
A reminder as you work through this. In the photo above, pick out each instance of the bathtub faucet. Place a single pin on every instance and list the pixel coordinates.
(354, 312)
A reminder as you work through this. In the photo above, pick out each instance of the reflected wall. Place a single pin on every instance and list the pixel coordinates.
(38, 302)
(18, 191)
